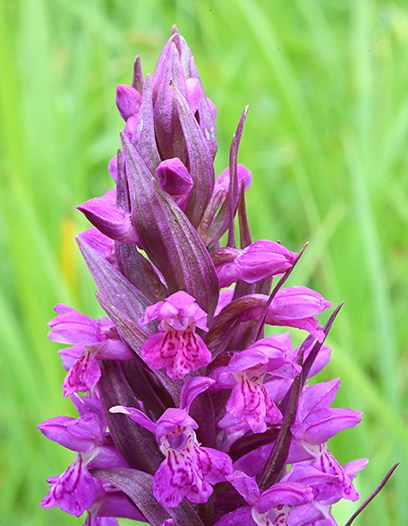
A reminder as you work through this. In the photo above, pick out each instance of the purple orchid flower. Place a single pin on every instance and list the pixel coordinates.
(128, 101)
(315, 424)
(75, 489)
(109, 218)
(267, 508)
(92, 340)
(260, 260)
(177, 347)
(244, 375)
(291, 307)
(174, 179)
(188, 470)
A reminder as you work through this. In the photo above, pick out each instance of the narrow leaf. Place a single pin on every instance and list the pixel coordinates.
(168, 238)
(200, 163)
(138, 487)
(137, 445)
(137, 81)
(114, 287)
(375, 492)
(144, 139)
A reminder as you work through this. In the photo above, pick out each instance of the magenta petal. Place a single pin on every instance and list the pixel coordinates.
(328, 422)
(250, 403)
(223, 180)
(253, 462)
(263, 259)
(109, 218)
(83, 375)
(239, 517)
(318, 396)
(224, 299)
(181, 305)
(306, 474)
(87, 404)
(246, 486)
(194, 91)
(313, 513)
(114, 504)
(69, 356)
(284, 493)
(190, 473)
(107, 457)
(192, 388)
(127, 100)
(217, 464)
(130, 127)
(246, 359)
(174, 178)
(226, 274)
(113, 168)
(92, 520)
(296, 303)
(73, 491)
(353, 467)
(322, 359)
(72, 327)
(172, 420)
(328, 464)
(80, 435)
(114, 349)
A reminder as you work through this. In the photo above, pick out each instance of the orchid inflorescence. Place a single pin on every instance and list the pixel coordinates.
(192, 415)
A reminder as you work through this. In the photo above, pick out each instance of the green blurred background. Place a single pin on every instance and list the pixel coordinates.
(325, 139)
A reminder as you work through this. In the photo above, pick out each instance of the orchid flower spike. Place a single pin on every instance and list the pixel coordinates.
(189, 414)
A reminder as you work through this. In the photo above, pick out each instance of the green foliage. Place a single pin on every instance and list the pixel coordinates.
(325, 139)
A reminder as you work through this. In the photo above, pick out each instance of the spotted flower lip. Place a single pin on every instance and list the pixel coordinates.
(177, 347)
(78, 490)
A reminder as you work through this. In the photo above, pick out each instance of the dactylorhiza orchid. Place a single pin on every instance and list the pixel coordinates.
(189, 414)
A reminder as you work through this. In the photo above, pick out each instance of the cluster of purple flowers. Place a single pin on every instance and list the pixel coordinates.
(191, 415)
